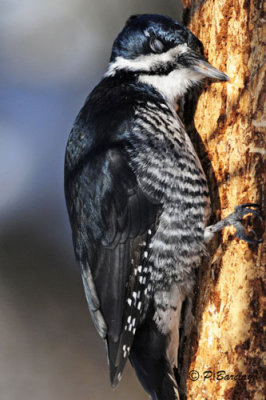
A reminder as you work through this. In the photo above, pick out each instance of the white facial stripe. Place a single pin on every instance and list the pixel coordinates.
(173, 85)
(144, 62)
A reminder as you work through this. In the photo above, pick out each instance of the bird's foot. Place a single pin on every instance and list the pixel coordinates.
(240, 212)
(235, 219)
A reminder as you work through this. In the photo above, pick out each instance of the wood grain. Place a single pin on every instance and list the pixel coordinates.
(230, 121)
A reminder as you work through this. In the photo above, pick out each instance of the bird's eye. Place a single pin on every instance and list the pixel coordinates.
(156, 45)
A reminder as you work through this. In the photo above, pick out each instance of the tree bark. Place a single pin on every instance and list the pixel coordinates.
(228, 308)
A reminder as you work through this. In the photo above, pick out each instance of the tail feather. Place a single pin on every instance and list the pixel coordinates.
(149, 358)
(168, 389)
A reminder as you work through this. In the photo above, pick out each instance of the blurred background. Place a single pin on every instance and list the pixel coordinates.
(52, 54)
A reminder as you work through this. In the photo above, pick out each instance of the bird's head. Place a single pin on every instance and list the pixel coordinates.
(159, 51)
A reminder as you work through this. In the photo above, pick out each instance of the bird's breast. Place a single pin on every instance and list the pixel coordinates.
(168, 169)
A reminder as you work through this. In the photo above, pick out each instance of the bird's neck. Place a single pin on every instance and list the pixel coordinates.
(171, 86)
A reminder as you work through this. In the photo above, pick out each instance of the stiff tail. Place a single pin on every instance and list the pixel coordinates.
(168, 389)
(149, 358)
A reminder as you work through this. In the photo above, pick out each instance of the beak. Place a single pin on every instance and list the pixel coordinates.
(207, 70)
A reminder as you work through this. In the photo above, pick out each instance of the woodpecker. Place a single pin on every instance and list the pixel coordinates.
(138, 198)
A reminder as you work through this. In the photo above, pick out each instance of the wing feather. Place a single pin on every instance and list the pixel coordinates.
(110, 216)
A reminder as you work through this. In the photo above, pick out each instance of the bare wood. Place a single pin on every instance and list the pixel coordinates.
(229, 119)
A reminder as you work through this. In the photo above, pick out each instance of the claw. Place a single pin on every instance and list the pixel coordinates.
(242, 235)
(240, 212)
(243, 209)
(255, 205)
(253, 233)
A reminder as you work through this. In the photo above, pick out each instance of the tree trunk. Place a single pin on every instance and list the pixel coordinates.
(228, 310)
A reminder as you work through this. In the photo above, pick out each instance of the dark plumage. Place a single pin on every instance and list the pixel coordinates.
(138, 199)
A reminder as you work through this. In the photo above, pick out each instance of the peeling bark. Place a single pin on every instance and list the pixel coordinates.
(227, 331)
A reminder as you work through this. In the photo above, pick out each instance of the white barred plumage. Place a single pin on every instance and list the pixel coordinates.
(138, 198)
